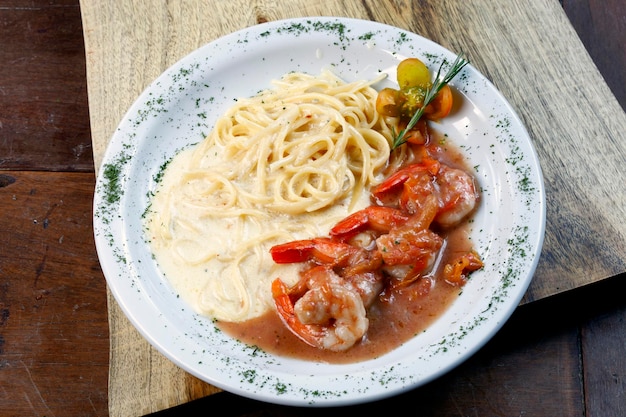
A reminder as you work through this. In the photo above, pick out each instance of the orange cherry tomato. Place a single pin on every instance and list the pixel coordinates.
(419, 135)
(389, 102)
(441, 106)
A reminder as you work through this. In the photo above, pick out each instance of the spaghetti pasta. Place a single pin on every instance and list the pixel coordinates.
(285, 164)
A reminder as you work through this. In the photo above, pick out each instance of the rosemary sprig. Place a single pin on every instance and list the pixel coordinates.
(440, 81)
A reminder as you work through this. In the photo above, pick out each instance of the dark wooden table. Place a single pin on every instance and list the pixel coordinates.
(565, 355)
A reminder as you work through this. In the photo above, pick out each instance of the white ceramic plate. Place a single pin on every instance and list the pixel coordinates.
(179, 109)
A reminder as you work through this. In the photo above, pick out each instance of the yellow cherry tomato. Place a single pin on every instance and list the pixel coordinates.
(412, 72)
(413, 100)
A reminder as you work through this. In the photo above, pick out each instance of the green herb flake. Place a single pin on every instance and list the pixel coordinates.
(112, 190)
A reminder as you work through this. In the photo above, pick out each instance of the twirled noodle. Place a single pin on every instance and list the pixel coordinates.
(285, 164)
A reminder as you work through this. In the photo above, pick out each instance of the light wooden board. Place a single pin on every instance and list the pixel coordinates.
(527, 49)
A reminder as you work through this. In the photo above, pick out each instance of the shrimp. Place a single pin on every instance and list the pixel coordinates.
(418, 249)
(327, 251)
(454, 188)
(389, 244)
(323, 309)
(411, 250)
(407, 188)
(359, 266)
(417, 188)
(398, 178)
(377, 218)
(457, 195)
(369, 285)
(321, 249)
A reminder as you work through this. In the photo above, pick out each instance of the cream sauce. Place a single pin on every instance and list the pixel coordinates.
(201, 263)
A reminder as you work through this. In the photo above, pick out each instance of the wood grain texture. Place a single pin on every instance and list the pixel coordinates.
(567, 345)
(601, 25)
(554, 86)
(53, 335)
(36, 130)
(603, 343)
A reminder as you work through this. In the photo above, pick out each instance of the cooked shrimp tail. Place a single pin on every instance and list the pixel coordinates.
(377, 218)
(286, 312)
(397, 179)
(321, 249)
(329, 315)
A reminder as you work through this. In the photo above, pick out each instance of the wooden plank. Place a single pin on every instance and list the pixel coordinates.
(44, 112)
(601, 26)
(529, 356)
(603, 340)
(553, 85)
(54, 337)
